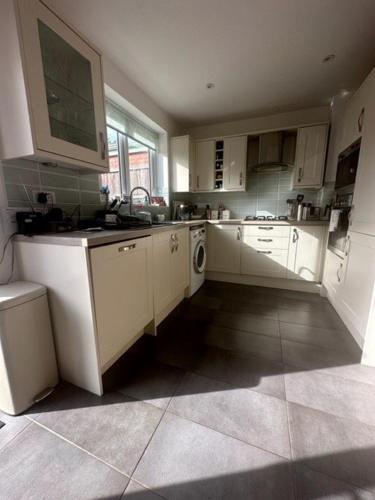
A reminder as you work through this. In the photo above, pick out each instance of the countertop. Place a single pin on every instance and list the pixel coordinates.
(94, 239)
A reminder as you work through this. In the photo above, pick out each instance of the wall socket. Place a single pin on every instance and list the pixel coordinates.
(51, 196)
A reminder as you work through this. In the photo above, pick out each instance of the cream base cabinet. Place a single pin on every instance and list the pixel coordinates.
(306, 248)
(358, 278)
(52, 89)
(122, 289)
(170, 254)
(223, 248)
(204, 166)
(182, 163)
(234, 173)
(310, 157)
(264, 250)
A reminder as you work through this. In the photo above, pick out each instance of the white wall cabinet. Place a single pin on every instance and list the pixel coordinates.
(182, 163)
(223, 248)
(306, 248)
(57, 108)
(234, 173)
(122, 287)
(204, 166)
(170, 270)
(363, 209)
(310, 157)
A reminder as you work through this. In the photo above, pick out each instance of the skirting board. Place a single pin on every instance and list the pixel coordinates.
(286, 284)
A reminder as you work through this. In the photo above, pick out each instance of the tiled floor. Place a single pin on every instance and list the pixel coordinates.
(247, 393)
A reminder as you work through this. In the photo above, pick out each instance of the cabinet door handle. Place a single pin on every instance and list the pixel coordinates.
(347, 246)
(240, 178)
(266, 228)
(197, 181)
(360, 120)
(239, 233)
(266, 240)
(127, 248)
(350, 215)
(264, 251)
(300, 174)
(102, 145)
(338, 272)
(295, 235)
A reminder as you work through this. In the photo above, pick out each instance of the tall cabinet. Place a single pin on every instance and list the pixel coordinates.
(52, 89)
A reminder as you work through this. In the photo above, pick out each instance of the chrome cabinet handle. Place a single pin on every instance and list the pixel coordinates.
(295, 235)
(300, 174)
(347, 246)
(266, 240)
(264, 251)
(360, 120)
(350, 215)
(266, 228)
(197, 181)
(127, 248)
(239, 233)
(240, 178)
(338, 272)
(103, 147)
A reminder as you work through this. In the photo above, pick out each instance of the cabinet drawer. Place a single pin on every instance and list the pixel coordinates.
(266, 241)
(266, 230)
(264, 262)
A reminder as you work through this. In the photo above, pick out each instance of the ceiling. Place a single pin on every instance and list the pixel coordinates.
(264, 56)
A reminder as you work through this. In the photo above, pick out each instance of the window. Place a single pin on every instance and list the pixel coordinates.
(133, 161)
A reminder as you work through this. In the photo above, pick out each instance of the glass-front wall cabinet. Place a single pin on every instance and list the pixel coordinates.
(65, 86)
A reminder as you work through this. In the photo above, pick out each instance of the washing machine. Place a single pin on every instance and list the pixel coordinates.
(198, 257)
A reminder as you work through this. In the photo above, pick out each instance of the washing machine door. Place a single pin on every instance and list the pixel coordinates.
(199, 257)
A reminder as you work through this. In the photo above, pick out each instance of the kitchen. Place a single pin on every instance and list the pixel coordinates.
(184, 276)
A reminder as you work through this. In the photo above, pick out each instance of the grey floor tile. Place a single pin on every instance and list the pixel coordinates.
(244, 342)
(12, 426)
(332, 394)
(297, 295)
(154, 383)
(248, 306)
(252, 417)
(321, 319)
(205, 301)
(254, 373)
(178, 351)
(135, 491)
(313, 485)
(321, 337)
(247, 322)
(301, 304)
(39, 465)
(187, 461)
(338, 447)
(355, 371)
(114, 427)
(312, 357)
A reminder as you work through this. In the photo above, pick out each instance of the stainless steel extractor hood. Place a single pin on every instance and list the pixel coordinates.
(270, 153)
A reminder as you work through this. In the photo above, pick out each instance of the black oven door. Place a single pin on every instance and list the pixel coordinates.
(337, 237)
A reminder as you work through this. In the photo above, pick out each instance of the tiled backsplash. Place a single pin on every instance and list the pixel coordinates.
(266, 194)
(70, 187)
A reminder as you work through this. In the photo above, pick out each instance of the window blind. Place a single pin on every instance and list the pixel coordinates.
(126, 124)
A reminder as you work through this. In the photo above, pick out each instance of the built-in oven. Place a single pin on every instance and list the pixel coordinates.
(347, 166)
(339, 223)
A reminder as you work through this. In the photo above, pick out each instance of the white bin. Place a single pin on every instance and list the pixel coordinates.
(28, 368)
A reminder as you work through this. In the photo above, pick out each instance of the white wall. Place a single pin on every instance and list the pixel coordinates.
(118, 86)
(254, 125)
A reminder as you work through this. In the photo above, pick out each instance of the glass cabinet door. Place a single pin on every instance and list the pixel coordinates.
(65, 87)
(68, 84)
